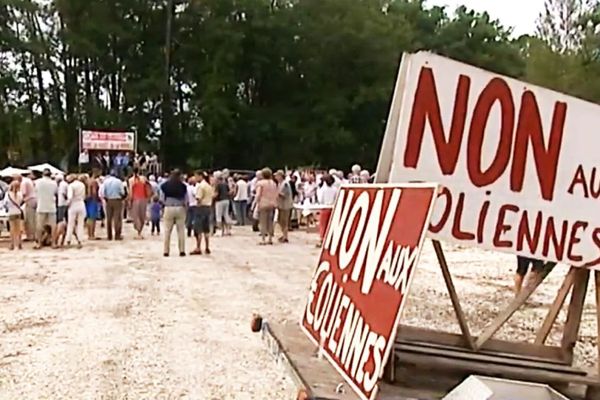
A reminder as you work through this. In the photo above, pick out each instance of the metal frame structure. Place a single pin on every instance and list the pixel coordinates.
(529, 361)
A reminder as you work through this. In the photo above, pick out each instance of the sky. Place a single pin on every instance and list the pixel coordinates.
(519, 14)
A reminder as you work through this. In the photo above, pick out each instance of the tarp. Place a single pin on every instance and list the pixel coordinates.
(9, 172)
(42, 167)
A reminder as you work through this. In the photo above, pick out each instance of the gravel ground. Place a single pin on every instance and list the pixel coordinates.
(118, 321)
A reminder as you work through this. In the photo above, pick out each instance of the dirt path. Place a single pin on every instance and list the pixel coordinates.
(118, 321)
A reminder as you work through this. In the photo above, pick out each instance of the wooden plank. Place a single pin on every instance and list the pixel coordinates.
(597, 279)
(278, 351)
(389, 372)
(517, 350)
(557, 305)
(505, 315)
(485, 368)
(317, 379)
(460, 315)
(571, 329)
(592, 393)
(460, 354)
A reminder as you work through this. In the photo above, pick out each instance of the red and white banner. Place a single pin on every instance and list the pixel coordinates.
(367, 263)
(97, 140)
(519, 163)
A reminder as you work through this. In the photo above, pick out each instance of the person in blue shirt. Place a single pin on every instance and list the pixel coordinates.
(155, 214)
(113, 192)
(117, 164)
(175, 200)
(125, 163)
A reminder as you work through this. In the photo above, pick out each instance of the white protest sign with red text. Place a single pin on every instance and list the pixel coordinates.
(519, 163)
(368, 259)
(97, 140)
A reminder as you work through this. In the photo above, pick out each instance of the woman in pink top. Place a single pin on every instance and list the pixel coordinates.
(266, 202)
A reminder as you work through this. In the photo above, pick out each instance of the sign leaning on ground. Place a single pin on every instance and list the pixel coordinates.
(358, 290)
(519, 163)
(100, 140)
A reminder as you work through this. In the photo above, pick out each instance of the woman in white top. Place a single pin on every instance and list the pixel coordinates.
(76, 202)
(13, 202)
(326, 197)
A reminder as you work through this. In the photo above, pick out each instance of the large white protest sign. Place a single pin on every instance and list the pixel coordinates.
(519, 163)
(101, 140)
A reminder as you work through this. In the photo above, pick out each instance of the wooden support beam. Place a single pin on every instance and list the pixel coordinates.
(510, 350)
(571, 329)
(597, 279)
(519, 300)
(499, 359)
(440, 363)
(557, 305)
(460, 315)
(389, 372)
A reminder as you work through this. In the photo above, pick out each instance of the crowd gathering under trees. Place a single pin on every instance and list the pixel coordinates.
(51, 209)
(257, 82)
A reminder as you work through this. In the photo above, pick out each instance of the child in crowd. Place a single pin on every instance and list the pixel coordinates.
(47, 239)
(155, 213)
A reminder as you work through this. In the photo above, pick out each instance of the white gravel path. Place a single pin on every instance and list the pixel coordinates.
(118, 321)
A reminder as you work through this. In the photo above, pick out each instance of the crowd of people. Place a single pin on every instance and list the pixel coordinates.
(58, 211)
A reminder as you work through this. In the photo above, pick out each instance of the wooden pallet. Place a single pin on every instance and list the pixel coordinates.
(316, 379)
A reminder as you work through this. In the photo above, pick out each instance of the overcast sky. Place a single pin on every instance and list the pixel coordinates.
(520, 14)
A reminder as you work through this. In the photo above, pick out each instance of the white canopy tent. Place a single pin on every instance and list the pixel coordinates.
(9, 172)
(42, 167)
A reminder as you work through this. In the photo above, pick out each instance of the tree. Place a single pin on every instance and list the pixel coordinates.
(218, 83)
(559, 25)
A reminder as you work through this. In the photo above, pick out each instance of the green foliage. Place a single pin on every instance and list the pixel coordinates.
(565, 56)
(239, 83)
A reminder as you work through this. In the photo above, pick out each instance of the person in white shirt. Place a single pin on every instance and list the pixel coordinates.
(84, 160)
(13, 201)
(339, 175)
(355, 177)
(365, 176)
(61, 202)
(192, 211)
(240, 201)
(76, 202)
(337, 182)
(252, 200)
(252, 184)
(327, 196)
(310, 189)
(30, 201)
(46, 190)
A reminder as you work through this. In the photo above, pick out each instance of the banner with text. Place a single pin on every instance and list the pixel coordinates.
(99, 140)
(519, 163)
(369, 257)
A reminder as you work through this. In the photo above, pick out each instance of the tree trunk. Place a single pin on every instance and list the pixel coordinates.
(168, 140)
